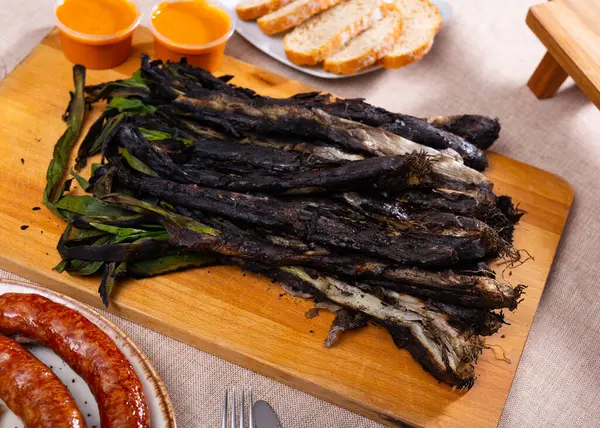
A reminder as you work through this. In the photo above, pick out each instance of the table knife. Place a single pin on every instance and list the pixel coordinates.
(264, 415)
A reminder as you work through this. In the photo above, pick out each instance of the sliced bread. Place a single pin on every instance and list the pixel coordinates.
(366, 48)
(249, 10)
(319, 37)
(422, 21)
(292, 15)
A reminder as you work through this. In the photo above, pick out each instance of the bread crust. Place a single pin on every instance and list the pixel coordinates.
(370, 56)
(317, 55)
(252, 12)
(397, 61)
(270, 24)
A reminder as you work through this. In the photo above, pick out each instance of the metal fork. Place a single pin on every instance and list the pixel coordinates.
(239, 409)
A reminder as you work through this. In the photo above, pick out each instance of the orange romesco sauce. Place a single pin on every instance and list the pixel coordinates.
(96, 17)
(97, 33)
(185, 28)
(190, 22)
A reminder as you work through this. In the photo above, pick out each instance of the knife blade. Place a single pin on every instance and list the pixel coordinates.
(264, 415)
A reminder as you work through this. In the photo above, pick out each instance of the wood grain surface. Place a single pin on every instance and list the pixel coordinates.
(245, 318)
(547, 77)
(569, 29)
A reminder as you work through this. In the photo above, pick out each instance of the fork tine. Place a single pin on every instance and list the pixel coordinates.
(242, 409)
(224, 419)
(250, 413)
(233, 408)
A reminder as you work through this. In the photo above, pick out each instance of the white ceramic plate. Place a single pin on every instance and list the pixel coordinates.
(273, 45)
(159, 405)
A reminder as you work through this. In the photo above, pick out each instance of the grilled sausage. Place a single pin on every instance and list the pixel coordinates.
(33, 392)
(86, 349)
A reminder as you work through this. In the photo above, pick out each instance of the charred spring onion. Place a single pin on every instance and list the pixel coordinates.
(377, 216)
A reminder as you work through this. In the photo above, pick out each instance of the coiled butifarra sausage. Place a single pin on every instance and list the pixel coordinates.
(89, 351)
(33, 392)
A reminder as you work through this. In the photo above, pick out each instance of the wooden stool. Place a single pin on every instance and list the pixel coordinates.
(570, 30)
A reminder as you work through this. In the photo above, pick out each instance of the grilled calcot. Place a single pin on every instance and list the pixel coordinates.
(380, 217)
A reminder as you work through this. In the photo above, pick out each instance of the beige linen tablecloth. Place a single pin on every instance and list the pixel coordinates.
(480, 63)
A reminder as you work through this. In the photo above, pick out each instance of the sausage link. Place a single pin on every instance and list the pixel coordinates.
(33, 392)
(89, 351)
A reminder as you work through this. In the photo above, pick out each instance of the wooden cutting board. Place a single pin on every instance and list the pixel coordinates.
(245, 318)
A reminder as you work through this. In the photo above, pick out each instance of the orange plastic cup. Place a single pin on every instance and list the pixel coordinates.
(208, 55)
(97, 52)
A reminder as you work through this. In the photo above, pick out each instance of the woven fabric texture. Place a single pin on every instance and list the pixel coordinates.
(480, 63)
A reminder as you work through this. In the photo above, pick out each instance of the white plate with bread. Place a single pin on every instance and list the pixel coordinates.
(332, 39)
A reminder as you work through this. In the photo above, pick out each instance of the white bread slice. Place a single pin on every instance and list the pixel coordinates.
(249, 10)
(366, 48)
(319, 37)
(422, 20)
(292, 15)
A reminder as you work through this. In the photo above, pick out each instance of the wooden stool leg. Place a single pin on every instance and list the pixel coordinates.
(547, 78)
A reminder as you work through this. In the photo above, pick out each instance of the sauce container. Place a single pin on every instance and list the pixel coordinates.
(97, 33)
(195, 29)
